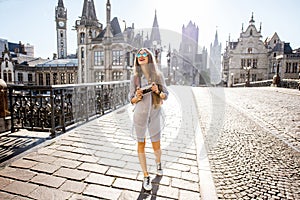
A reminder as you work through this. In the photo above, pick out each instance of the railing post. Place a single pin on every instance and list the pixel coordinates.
(52, 113)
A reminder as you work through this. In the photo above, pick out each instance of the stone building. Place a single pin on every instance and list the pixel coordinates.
(104, 54)
(252, 59)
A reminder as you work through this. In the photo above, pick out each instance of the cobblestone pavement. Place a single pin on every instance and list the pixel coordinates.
(252, 136)
(98, 160)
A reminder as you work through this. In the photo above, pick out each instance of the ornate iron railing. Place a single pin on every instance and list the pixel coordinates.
(54, 108)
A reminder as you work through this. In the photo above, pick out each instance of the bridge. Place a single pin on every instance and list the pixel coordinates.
(218, 143)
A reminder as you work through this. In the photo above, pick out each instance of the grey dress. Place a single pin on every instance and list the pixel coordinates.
(145, 116)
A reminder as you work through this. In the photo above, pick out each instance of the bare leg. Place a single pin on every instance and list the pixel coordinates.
(142, 157)
(157, 151)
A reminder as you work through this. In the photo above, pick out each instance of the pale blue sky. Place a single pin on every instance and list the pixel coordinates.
(33, 21)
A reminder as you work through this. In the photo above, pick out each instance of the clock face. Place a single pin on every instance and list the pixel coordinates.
(61, 23)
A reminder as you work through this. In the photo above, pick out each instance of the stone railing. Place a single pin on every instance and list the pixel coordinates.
(54, 108)
(285, 83)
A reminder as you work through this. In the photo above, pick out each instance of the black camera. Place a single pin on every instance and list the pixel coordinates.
(146, 89)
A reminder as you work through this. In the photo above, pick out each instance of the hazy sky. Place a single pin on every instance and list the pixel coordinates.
(33, 21)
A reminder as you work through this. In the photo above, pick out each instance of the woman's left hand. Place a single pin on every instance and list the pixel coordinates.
(154, 88)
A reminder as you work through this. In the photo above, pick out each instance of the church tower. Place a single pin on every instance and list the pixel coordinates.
(215, 61)
(61, 29)
(155, 40)
(87, 28)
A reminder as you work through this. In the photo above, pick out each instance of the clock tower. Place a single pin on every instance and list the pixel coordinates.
(61, 29)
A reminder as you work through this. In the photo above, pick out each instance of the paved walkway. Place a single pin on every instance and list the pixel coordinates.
(99, 160)
(253, 141)
(251, 151)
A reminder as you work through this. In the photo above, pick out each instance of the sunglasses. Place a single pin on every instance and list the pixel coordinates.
(143, 54)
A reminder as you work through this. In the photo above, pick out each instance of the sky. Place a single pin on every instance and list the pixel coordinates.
(33, 21)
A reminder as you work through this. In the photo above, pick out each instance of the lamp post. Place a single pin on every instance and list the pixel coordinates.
(276, 77)
(248, 75)
(232, 80)
(299, 81)
(169, 65)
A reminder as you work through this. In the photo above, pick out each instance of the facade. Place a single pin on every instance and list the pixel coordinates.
(104, 54)
(215, 65)
(56, 72)
(252, 59)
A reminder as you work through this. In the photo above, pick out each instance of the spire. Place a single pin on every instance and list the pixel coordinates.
(88, 11)
(260, 27)
(108, 33)
(216, 42)
(60, 3)
(252, 20)
(155, 34)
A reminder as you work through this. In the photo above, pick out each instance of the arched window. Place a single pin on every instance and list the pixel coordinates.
(249, 50)
(82, 38)
(251, 32)
(9, 76)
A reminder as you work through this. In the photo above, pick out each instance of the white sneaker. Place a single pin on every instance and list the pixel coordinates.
(159, 170)
(147, 183)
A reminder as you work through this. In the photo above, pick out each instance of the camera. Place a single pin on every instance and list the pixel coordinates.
(146, 89)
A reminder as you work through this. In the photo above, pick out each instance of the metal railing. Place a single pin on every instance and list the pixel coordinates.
(54, 108)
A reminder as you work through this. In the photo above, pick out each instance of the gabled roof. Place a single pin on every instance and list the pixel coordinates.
(115, 26)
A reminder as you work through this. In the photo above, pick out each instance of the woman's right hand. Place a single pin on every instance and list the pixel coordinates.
(139, 93)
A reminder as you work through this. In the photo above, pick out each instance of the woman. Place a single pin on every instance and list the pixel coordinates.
(147, 90)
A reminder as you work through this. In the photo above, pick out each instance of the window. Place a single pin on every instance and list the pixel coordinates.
(41, 81)
(82, 37)
(117, 75)
(20, 77)
(295, 66)
(55, 79)
(61, 34)
(99, 76)
(30, 79)
(251, 32)
(117, 57)
(9, 76)
(255, 63)
(248, 62)
(249, 50)
(63, 78)
(82, 52)
(70, 78)
(48, 79)
(288, 67)
(243, 63)
(5, 75)
(99, 58)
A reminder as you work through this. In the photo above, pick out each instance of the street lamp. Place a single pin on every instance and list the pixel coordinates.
(174, 70)
(169, 65)
(248, 75)
(299, 81)
(276, 77)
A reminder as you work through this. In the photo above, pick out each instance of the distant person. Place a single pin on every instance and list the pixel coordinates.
(147, 91)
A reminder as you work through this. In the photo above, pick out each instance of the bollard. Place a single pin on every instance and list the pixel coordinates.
(3, 100)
